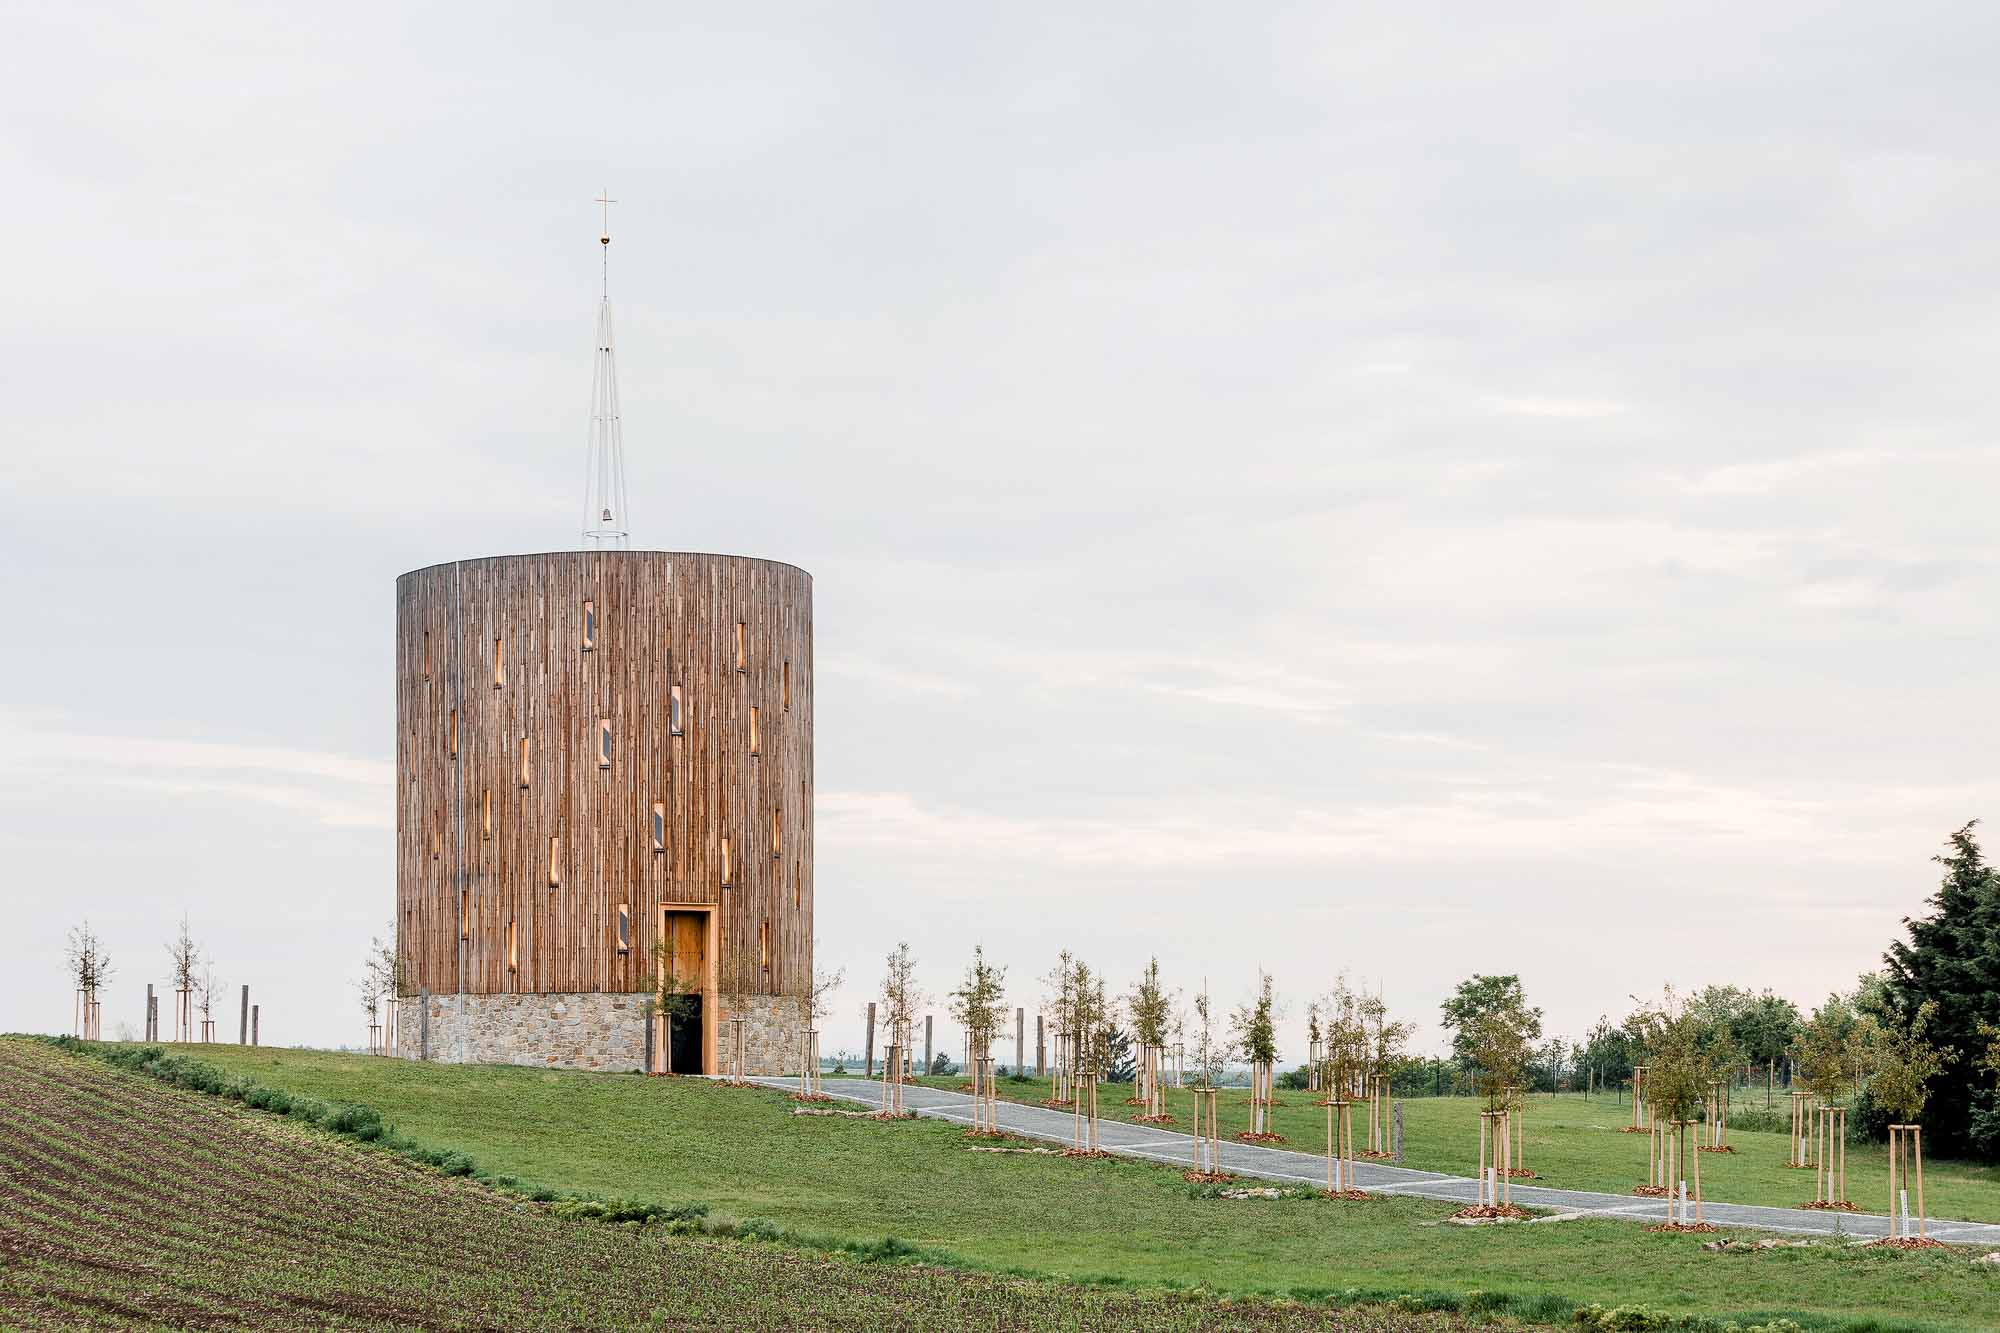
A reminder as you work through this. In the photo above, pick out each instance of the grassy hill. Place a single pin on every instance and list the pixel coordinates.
(125, 1203)
(747, 1155)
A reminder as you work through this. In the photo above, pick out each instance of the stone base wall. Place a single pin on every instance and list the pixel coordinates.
(773, 1035)
(584, 1031)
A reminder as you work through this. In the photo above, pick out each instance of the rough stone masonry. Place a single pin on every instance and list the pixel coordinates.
(595, 1030)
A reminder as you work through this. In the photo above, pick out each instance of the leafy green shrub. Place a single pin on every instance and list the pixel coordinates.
(884, 1250)
(757, 1228)
(1485, 1302)
(356, 1120)
(1547, 1308)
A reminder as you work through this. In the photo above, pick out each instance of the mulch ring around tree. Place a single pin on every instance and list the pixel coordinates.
(1908, 1243)
(893, 1115)
(1055, 1105)
(1683, 1226)
(1085, 1152)
(1505, 1212)
(1372, 1156)
(1152, 1120)
(1348, 1196)
(1834, 1206)
(1207, 1177)
(1633, 1129)
(812, 1097)
(1724, 1148)
(1650, 1191)
(1519, 1173)
(1247, 1137)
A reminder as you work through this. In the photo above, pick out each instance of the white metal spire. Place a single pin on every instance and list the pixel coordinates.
(604, 482)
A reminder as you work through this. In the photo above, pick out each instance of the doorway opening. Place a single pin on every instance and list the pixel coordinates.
(683, 1035)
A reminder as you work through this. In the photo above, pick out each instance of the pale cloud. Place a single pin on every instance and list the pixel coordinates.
(335, 789)
(896, 678)
(1839, 594)
(1561, 409)
(1765, 476)
(1591, 810)
(335, 811)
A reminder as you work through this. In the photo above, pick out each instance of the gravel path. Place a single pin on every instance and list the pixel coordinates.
(1249, 1159)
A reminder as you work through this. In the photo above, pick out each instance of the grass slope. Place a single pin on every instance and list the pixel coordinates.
(744, 1152)
(127, 1204)
(1573, 1143)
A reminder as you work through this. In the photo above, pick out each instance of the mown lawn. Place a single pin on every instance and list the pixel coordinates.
(1573, 1142)
(744, 1152)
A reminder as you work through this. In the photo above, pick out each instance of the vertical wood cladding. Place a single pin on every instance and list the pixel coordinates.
(475, 820)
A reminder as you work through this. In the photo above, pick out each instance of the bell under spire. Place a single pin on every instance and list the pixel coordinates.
(604, 523)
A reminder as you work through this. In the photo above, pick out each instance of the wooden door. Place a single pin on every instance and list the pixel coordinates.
(684, 956)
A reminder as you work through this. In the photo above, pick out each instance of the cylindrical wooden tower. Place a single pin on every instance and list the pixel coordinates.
(604, 770)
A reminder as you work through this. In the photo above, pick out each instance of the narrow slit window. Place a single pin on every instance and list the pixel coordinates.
(624, 928)
(604, 742)
(454, 733)
(725, 863)
(753, 733)
(797, 880)
(465, 914)
(788, 685)
(777, 833)
(659, 826)
(427, 654)
(513, 946)
(499, 666)
(524, 761)
(764, 945)
(437, 839)
(589, 625)
(555, 862)
(674, 711)
(742, 646)
(486, 813)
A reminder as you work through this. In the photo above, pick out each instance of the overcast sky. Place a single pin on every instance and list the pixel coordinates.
(1414, 489)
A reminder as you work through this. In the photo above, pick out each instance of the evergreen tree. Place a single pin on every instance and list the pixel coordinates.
(1952, 960)
(1120, 1065)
